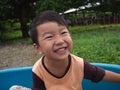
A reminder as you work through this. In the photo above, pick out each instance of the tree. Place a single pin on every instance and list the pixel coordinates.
(17, 9)
(56, 5)
(24, 10)
(107, 6)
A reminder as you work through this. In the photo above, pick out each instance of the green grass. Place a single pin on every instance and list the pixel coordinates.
(102, 45)
(93, 27)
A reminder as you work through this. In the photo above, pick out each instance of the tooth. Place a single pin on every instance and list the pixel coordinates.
(62, 49)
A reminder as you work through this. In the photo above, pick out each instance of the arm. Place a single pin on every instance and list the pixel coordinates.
(96, 74)
(111, 76)
(92, 72)
(38, 84)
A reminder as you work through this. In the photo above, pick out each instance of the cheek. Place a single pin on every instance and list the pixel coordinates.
(70, 42)
(46, 46)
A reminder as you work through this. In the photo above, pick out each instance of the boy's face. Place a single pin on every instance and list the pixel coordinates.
(54, 41)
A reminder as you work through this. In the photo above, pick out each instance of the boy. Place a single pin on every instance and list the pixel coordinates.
(58, 69)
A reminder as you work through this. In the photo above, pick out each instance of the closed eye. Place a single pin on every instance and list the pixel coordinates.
(48, 37)
(65, 32)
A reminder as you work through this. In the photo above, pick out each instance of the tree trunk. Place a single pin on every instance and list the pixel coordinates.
(23, 22)
(24, 28)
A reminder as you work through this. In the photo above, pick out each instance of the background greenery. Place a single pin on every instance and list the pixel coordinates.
(95, 43)
(23, 11)
(95, 29)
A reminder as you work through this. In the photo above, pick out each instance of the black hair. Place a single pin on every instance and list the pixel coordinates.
(45, 16)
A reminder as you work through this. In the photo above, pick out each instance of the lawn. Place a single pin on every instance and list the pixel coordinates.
(99, 45)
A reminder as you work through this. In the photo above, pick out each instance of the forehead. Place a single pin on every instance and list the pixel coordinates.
(49, 27)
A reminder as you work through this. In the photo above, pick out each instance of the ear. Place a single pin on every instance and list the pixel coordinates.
(37, 48)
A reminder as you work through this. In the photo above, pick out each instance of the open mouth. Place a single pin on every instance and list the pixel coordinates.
(60, 50)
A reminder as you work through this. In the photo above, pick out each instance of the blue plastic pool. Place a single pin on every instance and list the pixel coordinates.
(23, 76)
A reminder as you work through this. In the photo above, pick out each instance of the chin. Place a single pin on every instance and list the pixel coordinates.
(63, 57)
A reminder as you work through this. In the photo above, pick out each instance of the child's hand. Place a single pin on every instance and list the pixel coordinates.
(16, 87)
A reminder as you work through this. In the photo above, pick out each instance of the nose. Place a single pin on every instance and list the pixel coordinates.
(59, 40)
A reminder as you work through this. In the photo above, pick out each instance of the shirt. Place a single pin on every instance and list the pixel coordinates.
(76, 71)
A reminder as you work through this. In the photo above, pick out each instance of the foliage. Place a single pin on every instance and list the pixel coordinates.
(12, 9)
(107, 6)
(25, 10)
(17, 9)
(58, 5)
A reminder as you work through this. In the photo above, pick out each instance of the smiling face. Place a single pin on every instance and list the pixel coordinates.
(54, 41)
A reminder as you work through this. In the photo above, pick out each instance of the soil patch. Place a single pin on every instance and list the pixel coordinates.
(19, 55)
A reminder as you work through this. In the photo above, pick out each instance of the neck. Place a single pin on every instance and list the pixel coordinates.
(56, 63)
(56, 67)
